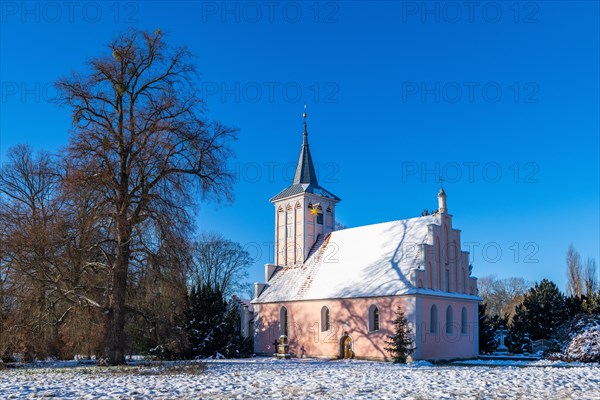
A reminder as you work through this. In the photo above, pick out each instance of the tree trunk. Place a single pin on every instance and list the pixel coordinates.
(114, 351)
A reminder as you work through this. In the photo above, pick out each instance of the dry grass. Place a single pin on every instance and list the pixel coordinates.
(171, 368)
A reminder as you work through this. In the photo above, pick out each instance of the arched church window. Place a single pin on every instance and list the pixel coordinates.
(325, 319)
(449, 320)
(316, 212)
(463, 321)
(433, 319)
(283, 321)
(373, 318)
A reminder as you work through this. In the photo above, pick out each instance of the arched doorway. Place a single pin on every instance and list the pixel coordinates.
(346, 347)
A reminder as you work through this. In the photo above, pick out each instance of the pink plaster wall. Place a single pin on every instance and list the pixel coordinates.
(351, 316)
(440, 344)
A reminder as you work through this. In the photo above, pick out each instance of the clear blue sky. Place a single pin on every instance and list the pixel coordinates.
(397, 93)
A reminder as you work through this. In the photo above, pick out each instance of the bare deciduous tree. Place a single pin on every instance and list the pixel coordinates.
(140, 144)
(220, 263)
(502, 295)
(590, 277)
(574, 273)
(29, 216)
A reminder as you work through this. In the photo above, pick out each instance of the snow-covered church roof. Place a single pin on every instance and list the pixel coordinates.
(368, 261)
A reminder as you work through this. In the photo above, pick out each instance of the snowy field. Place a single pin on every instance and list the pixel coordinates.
(266, 378)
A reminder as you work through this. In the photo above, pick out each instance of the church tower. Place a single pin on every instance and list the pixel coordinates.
(304, 211)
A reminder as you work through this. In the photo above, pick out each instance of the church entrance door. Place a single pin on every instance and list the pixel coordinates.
(346, 347)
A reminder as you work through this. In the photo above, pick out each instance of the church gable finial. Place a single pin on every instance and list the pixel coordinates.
(441, 187)
(443, 208)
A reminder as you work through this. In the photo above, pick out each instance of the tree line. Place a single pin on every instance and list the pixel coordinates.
(540, 311)
(97, 255)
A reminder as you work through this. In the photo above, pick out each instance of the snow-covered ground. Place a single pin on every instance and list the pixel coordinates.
(266, 378)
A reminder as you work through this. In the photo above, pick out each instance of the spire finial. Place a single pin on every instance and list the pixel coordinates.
(305, 138)
(304, 116)
(441, 183)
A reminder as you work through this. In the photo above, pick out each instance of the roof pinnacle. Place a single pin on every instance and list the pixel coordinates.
(442, 192)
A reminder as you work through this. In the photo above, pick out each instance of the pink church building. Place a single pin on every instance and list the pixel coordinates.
(334, 293)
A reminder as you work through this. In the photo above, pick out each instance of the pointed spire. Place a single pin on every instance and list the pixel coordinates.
(305, 170)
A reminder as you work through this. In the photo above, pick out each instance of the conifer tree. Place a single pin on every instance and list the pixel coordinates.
(213, 326)
(400, 344)
(540, 314)
(488, 326)
(487, 340)
(207, 311)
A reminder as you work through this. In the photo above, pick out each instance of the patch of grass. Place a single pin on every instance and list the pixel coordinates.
(170, 368)
(145, 368)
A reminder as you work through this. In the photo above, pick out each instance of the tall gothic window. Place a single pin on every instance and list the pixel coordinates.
(449, 320)
(463, 321)
(373, 318)
(433, 319)
(325, 319)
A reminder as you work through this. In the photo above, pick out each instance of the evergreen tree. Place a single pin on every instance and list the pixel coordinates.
(539, 316)
(207, 310)
(488, 326)
(214, 327)
(236, 346)
(399, 344)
